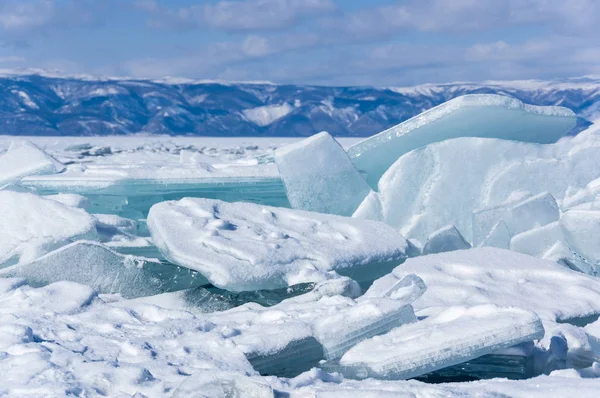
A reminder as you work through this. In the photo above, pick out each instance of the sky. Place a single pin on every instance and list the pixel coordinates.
(324, 42)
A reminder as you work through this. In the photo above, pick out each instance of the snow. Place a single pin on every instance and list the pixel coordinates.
(475, 115)
(243, 246)
(24, 159)
(31, 226)
(319, 176)
(265, 115)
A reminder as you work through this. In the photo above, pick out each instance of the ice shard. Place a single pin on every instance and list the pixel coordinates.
(244, 246)
(105, 271)
(445, 239)
(24, 159)
(474, 115)
(31, 226)
(319, 176)
(456, 335)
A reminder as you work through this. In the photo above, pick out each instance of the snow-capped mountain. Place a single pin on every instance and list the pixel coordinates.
(36, 104)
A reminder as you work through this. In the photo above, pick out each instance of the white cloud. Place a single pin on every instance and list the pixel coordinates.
(11, 59)
(240, 15)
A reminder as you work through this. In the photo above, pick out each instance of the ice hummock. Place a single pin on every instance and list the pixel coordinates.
(105, 271)
(456, 335)
(319, 176)
(31, 226)
(474, 115)
(445, 182)
(214, 383)
(25, 159)
(244, 246)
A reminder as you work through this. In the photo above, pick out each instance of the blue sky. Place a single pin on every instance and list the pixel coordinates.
(330, 42)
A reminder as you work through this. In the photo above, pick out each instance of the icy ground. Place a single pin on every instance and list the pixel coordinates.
(471, 268)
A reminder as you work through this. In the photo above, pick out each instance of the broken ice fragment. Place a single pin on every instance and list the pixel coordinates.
(105, 271)
(537, 241)
(533, 212)
(244, 246)
(445, 240)
(31, 226)
(582, 229)
(319, 176)
(25, 159)
(455, 335)
(499, 236)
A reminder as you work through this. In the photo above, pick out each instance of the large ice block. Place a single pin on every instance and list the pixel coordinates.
(501, 277)
(105, 271)
(319, 176)
(213, 383)
(582, 232)
(474, 115)
(244, 246)
(537, 241)
(456, 335)
(445, 182)
(445, 239)
(533, 212)
(31, 226)
(24, 159)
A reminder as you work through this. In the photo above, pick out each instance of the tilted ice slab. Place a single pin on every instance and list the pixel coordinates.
(445, 182)
(501, 277)
(319, 176)
(444, 240)
(244, 246)
(31, 226)
(456, 335)
(474, 115)
(105, 271)
(24, 159)
(581, 228)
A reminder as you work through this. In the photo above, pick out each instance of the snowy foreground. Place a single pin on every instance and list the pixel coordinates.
(429, 260)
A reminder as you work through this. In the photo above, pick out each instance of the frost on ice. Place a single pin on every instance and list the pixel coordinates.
(243, 246)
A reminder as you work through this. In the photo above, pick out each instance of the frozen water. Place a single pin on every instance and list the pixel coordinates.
(454, 336)
(536, 242)
(443, 183)
(244, 246)
(105, 271)
(501, 277)
(319, 176)
(582, 229)
(31, 226)
(533, 212)
(24, 159)
(476, 115)
(499, 236)
(445, 240)
(215, 384)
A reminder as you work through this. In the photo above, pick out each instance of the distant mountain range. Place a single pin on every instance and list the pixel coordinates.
(45, 105)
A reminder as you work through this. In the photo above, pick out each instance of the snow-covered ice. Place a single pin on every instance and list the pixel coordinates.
(319, 176)
(31, 226)
(476, 115)
(244, 246)
(455, 335)
(23, 159)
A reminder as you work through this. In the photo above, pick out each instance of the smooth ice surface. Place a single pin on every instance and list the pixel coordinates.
(536, 242)
(319, 176)
(105, 271)
(582, 232)
(445, 240)
(24, 159)
(445, 182)
(475, 115)
(501, 277)
(244, 246)
(533, 212)
(456, 335)
(499, 236)
(31, 226)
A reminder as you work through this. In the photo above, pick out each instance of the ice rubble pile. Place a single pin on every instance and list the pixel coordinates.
(198, 295)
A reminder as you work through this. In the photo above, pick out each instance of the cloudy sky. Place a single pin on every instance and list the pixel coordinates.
(331, 42)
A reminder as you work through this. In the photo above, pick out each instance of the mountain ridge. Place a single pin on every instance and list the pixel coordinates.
(38, 104)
